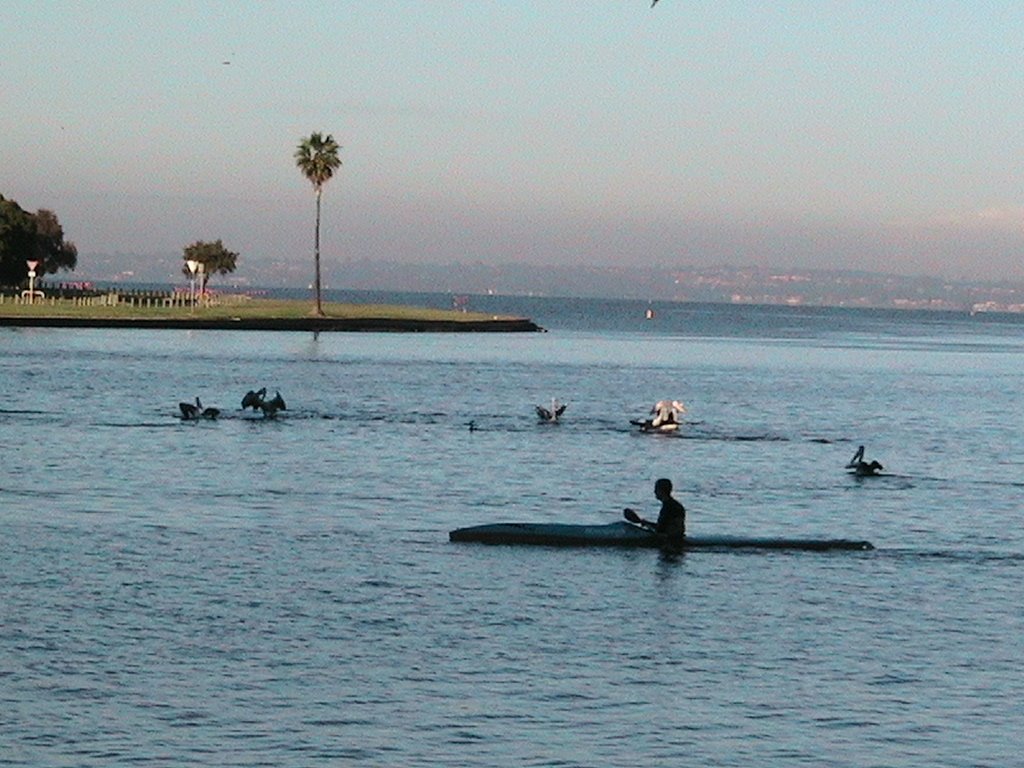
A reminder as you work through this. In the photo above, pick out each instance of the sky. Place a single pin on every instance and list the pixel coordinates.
(872, 135)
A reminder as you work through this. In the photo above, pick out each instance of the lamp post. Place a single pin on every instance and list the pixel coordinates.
(192, 265)
(32, 280)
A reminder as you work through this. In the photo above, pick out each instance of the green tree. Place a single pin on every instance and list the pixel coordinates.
(215, 258)
(25, 236)
(50, 247)
(17, 237)
(317, 158)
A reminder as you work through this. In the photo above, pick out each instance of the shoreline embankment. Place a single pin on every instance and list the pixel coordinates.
(314, 324)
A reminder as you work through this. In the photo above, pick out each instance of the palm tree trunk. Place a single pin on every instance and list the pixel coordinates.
(316, 256)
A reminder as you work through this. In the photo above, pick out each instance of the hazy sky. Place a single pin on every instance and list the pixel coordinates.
(871, 135)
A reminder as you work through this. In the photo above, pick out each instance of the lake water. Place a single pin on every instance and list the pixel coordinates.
(253, 592)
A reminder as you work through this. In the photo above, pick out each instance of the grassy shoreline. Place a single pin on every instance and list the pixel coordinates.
(254, 314)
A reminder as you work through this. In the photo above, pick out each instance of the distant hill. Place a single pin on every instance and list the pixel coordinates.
(753, 285)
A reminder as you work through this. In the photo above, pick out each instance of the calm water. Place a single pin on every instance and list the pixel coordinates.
(253, 592)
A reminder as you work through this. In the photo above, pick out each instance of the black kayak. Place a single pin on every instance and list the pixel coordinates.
(623, 534)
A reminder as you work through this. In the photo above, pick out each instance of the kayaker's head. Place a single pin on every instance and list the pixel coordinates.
(662, 488)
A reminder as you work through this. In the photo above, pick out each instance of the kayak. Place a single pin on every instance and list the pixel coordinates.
(623, 534)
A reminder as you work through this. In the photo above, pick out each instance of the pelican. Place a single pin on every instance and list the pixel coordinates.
(253, 399)
(256, 401)
(667, 412)
(552, 414)
(191, 412)
(665, 417)
(863, 468)
(271, 407)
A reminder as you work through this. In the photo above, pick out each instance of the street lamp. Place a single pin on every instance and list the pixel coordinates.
(192, 265)
(32, 280)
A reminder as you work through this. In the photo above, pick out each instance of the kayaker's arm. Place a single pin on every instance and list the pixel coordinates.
(633, 517)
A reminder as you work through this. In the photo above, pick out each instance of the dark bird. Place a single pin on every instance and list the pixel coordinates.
(256, 401)
(253, 399)
(191, 412)
(862, 468)
(271, 407)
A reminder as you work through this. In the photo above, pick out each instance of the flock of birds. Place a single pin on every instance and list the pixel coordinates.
(666, 416)
(257, 400)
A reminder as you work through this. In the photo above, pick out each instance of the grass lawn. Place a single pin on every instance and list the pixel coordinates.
(248, 309)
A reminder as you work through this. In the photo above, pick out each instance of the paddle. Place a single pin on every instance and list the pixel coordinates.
(633, 517)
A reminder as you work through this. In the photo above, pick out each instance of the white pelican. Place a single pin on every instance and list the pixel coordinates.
(667, 412)
(666, 415)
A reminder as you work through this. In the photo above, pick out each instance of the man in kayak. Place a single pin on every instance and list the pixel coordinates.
(672, 517)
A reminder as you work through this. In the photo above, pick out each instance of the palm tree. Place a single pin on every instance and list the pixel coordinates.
(317, 158)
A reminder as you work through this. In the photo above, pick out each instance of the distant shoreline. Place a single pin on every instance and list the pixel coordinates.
(779, 284)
